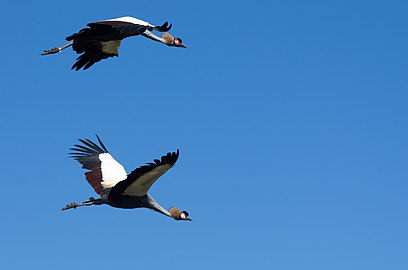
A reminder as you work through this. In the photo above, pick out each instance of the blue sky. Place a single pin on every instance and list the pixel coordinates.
(290, 117)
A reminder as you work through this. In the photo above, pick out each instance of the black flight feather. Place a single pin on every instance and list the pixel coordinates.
(88, 153)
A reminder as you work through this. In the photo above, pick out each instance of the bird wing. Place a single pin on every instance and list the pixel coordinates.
(104, 171)
(165, 27)
(120, 28)
(101, 40)
(92, 54)
(139, 181)
(117, 30)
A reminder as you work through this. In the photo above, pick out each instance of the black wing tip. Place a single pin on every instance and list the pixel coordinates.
(76, 66)
(87, 148)
(176, 155)
(171, 157)
(165, 27)
(101, 143)
(81, 65)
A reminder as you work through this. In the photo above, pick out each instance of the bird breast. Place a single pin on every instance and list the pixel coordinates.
(111, 47)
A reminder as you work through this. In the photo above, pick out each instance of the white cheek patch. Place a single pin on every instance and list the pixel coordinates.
(182, 215)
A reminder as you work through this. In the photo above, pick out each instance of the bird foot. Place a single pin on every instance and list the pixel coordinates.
(69, 206)
(51, 51)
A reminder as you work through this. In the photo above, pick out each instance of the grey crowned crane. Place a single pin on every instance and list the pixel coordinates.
(101, 40)
(117, 188)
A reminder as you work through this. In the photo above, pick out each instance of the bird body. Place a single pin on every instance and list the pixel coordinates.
(117, 188)
(101, 40)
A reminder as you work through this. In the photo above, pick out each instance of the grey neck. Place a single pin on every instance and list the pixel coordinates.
(155, 206)
(152, 36)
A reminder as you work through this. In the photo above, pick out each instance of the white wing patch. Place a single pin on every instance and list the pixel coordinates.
(131, 20)
(112, 171)
(141, 185)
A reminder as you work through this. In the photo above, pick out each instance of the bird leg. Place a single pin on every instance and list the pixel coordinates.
(56, 49)
(75, 205)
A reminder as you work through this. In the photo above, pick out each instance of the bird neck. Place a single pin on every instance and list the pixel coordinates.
(155, 206)
(152, 36)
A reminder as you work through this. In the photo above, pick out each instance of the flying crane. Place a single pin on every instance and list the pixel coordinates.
(117, 188)
(101, 40)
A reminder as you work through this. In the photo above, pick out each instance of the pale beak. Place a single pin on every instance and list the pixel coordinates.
(183, 46)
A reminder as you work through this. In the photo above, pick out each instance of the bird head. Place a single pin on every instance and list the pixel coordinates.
(171, 41)
(179, 215)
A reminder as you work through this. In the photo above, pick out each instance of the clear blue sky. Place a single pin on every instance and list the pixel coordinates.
(290, 117)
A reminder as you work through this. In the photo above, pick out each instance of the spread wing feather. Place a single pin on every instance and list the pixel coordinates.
(104, 171)
(139, 181)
